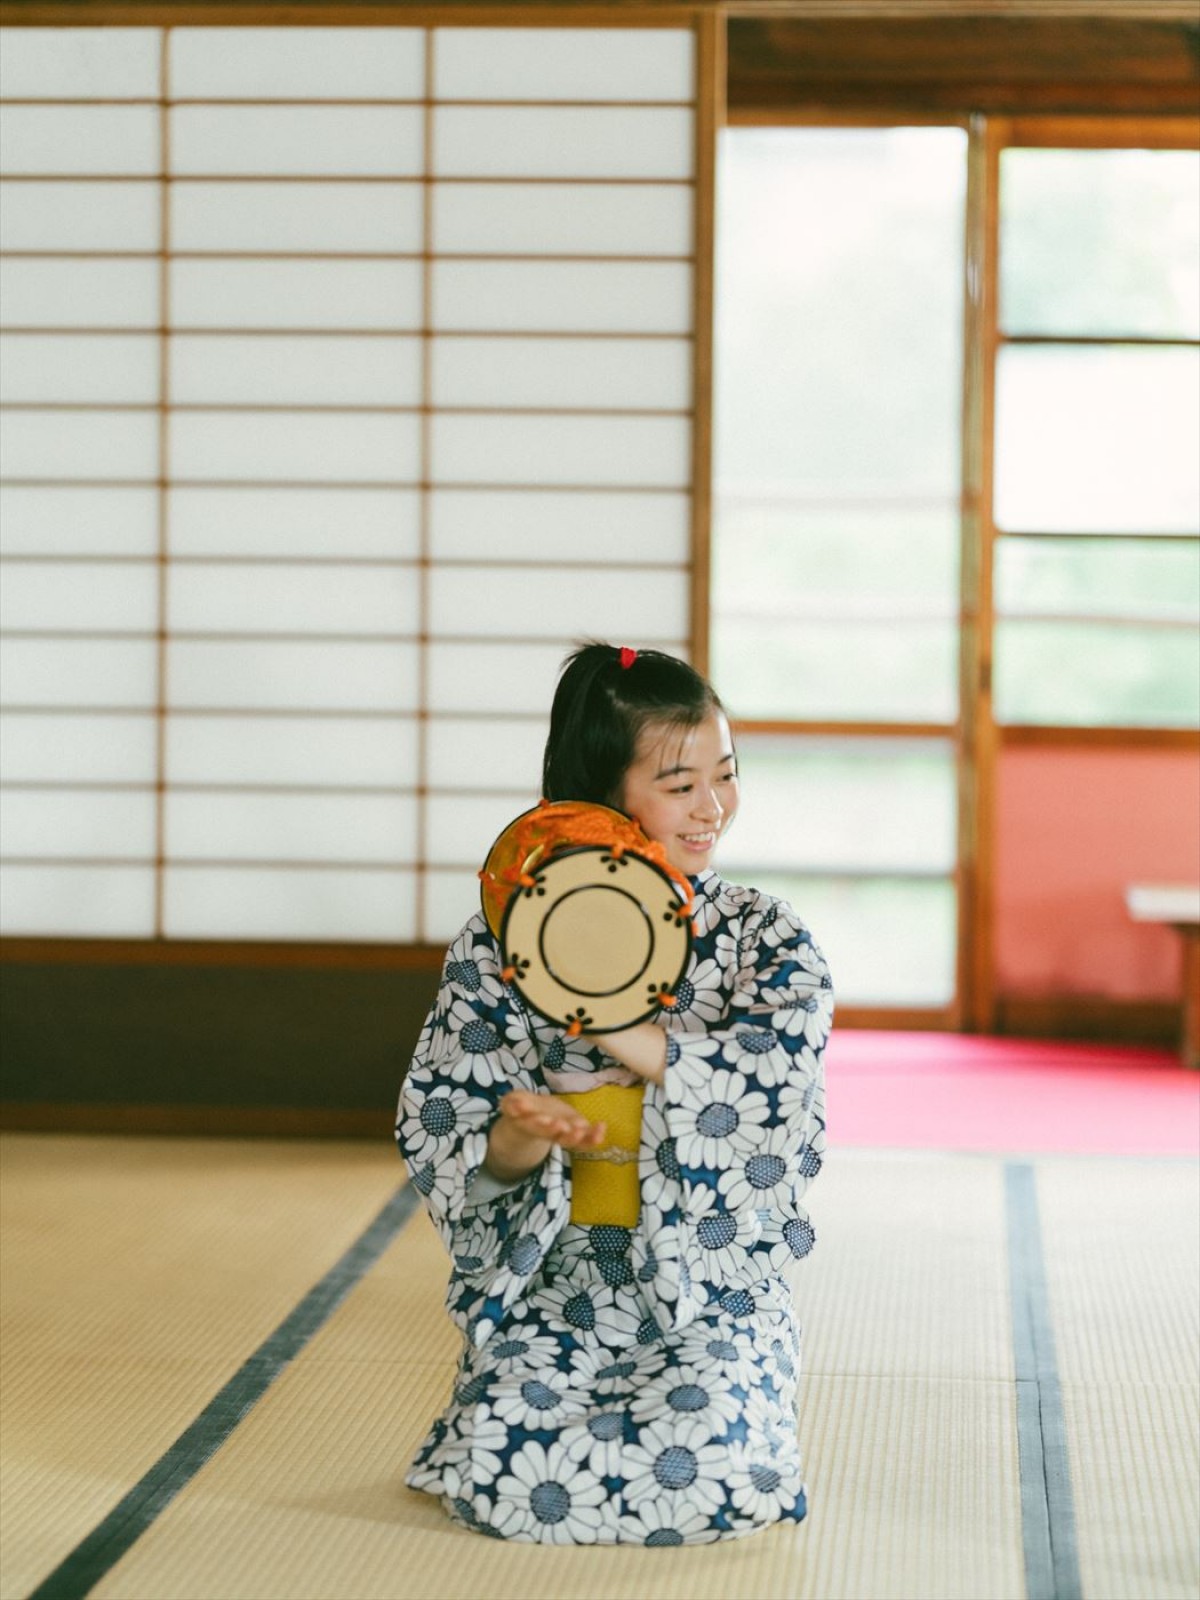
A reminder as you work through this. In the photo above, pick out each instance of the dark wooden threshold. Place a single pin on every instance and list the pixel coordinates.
(196, 1121)
(1094, 1018)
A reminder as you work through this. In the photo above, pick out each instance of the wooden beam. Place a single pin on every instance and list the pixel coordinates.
(990, 63)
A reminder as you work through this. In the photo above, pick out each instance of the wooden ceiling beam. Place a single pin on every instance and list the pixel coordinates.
(1001, 64)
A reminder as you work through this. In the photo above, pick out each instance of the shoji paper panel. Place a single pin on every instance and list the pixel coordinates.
(294, 436)
(80, 380)
(318, 903)
(47, 747)
(372, 409)
(77, 902)
(560, 389)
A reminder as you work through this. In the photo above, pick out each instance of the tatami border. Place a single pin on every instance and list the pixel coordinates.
(1047, 1506)
(100, 1551)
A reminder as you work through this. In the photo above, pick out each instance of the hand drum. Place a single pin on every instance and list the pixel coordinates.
(594, 925)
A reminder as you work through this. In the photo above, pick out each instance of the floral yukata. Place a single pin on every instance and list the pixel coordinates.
(628, 1385)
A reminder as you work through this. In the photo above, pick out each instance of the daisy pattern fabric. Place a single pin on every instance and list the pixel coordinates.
(628, 1385)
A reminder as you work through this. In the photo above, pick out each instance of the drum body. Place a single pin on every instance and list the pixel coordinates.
(595, 932)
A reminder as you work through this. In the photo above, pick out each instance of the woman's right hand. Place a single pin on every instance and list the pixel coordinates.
(544, 1116)
(526, 1128)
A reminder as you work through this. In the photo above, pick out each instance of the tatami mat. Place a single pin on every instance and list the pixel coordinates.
(138, 1275)
(142, 1273)
(1122, 1244)
(912, 1467)
(914, 1487)
(1122, 1247)
(1135, 1470)
(909, 1275)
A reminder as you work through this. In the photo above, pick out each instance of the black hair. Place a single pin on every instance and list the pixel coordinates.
(600, 708)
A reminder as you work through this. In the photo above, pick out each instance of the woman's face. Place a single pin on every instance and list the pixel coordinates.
(682, 786)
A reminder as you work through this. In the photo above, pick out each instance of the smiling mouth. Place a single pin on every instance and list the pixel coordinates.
(698, 841)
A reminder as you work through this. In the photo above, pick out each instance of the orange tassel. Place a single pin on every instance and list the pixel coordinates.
(575, 1029)
(667, 999)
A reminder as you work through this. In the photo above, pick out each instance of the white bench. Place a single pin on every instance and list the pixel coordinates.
(1177, 905)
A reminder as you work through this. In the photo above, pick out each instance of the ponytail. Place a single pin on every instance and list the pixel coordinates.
(605, 697)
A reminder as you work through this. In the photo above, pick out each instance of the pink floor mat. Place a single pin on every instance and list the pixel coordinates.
(944, 1091)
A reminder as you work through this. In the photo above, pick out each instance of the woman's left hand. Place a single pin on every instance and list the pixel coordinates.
(643, 1049)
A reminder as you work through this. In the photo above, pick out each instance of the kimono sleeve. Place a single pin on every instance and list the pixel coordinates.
(737, 1127)
(476, 1045)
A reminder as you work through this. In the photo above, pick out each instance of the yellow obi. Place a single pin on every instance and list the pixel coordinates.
(604, 1182)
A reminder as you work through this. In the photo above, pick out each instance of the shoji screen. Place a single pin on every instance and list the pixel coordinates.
(347, 379)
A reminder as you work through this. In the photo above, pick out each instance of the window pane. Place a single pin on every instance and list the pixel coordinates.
(1099, 578)
(800, 572)
(1098, 440)
(1100, 241)
(839, 309)
(881, 560)
(845, 805)
(888, 941)
(1089, 674)
(837, 422)
(801, 668)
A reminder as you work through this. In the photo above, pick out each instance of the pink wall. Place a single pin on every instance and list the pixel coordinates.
(1073, 827)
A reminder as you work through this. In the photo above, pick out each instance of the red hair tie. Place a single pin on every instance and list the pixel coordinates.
(628, 656)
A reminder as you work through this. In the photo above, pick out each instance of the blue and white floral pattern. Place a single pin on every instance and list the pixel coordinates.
(629, 1385)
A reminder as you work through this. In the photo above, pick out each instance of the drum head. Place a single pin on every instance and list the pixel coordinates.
(596, 941)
